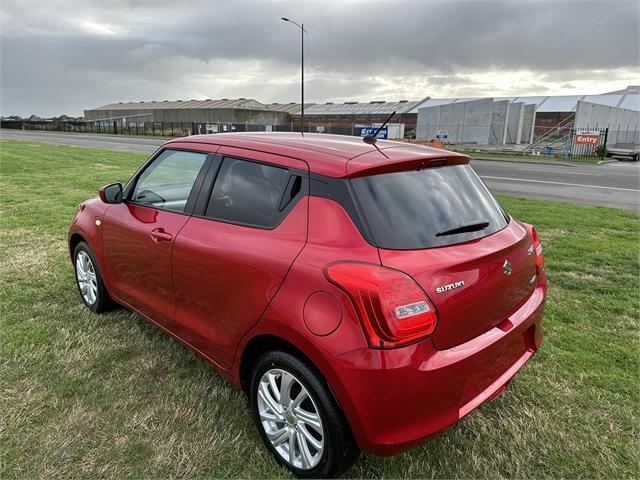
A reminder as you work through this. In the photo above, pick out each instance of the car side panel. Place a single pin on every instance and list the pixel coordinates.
(332, 237)
(226, 274)
(84, 224)
(137, 267)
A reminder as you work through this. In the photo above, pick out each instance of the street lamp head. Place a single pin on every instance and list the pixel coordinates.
(285, 19)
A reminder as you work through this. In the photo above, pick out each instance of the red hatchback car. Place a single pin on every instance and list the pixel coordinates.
(364, 296)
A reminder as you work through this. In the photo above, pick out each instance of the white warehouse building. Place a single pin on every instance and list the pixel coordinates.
(520, 120)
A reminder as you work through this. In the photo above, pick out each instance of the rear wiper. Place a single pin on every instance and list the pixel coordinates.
(472, 226)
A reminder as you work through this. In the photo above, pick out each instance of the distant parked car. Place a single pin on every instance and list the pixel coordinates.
(364, 296)
(624, 150)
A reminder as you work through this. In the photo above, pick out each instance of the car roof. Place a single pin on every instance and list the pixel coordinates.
(330, 155)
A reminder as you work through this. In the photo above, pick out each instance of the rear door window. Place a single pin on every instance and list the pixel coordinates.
(251, 193)
(167, 182)
(428, 208)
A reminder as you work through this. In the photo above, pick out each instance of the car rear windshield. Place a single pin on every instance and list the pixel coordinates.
(428, 208)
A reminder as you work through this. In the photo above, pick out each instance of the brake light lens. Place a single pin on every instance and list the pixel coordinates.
(393, 309)
(537, 248)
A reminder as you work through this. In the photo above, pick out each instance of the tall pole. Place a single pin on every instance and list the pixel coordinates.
(302, 32)
(302, 79)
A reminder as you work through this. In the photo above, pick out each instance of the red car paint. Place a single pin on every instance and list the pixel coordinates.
(217, 287)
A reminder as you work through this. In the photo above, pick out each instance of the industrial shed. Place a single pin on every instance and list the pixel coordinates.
(214, 116)
(224, 111)
(352, 113)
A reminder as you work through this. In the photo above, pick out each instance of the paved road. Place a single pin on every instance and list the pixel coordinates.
(109, 142)
(612, 184)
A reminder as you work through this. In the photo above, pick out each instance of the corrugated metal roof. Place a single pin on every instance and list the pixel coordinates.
(610, 100)
(631, 101)
(329, 108)
(628, 98)
(291, 108)
(560, 103)
(629, 90)
(533, 100)
(357, 108)
(467, 99)
(244, 103)
(434, 102)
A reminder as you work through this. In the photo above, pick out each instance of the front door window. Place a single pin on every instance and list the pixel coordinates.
(167, 182)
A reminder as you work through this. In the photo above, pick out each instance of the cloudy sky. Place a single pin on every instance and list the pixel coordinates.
(62, 56)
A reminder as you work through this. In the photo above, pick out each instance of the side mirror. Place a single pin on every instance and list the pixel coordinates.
(111, 193)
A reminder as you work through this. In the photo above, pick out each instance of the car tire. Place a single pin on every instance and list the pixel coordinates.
(89, 280)
(317, 421)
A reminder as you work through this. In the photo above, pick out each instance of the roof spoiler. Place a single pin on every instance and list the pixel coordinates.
(412, 164)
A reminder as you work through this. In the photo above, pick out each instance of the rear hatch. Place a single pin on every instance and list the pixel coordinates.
(442, 227)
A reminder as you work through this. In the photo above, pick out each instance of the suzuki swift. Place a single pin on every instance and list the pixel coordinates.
(364, 295)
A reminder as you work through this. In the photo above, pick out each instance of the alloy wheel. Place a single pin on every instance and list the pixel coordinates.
(291, 419)
(86, 276)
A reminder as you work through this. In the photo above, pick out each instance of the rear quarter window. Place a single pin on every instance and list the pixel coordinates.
(411, 210)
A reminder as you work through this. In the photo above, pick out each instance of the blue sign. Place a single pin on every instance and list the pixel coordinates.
(364, 131)
(442, 134)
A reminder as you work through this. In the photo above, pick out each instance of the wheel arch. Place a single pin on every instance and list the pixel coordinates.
(74, 240)
(263, 343)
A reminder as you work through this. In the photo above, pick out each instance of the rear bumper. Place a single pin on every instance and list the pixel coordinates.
(623, 151)
(395, 399)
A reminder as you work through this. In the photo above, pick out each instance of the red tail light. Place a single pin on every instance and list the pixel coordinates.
(393, 309)
(537, 248)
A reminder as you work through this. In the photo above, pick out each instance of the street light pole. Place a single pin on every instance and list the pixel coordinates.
(302, 78)
(302, 32)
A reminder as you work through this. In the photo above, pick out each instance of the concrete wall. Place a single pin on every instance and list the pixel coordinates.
(466, 122)
(528, 123)
(452, 119)
(499, 120)
(514, 123)
(623, 124)
(483, 122)
(477, 121)
(427, 122)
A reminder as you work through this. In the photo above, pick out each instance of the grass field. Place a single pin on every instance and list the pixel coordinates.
(110, 396)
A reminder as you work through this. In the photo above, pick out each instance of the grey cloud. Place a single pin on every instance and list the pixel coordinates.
(62, 56)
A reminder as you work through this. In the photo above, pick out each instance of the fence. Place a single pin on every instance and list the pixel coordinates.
(566, 141)
(174, 129)
(586, 143)
(481, 134)
(161, 129)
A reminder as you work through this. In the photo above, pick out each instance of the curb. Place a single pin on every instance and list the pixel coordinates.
(530, 162)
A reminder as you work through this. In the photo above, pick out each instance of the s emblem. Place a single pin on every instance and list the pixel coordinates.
(506, 268)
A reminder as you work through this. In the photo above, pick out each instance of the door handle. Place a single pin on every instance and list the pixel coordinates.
(159, 235)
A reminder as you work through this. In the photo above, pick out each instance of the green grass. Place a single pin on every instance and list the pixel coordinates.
(111, 396)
